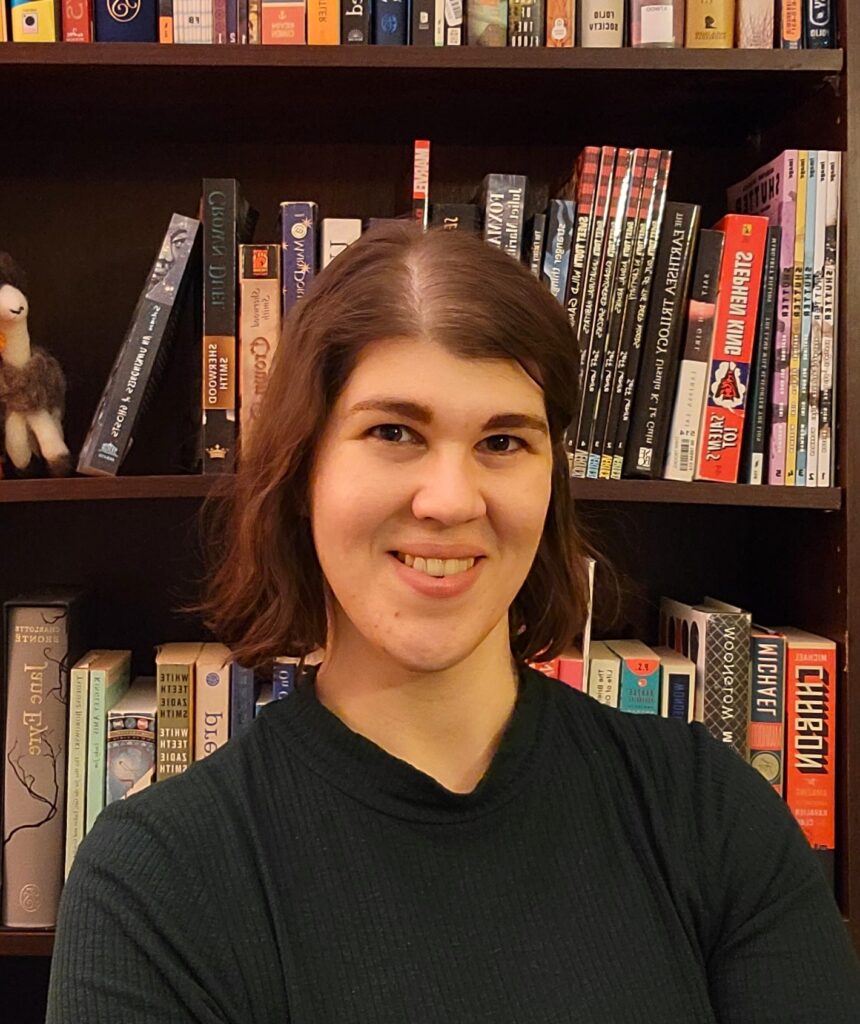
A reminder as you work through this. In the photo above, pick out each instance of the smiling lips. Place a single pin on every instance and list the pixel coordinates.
(436, 566)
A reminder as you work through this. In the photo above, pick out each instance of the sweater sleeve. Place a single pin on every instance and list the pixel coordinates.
(779, 951)
(138, 935)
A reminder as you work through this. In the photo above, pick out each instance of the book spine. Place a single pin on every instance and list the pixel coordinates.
(767, 708)
(255, 22)
(604, 675)
(537, 235)
(34, 783)
(560, 23)
(525, 23)
(76, 776)
(33, 21)
(323, 22)
(787, 215)
(806, 321)
(584, 193)
(423, 13)
(219, 21)
(734, 333)
(259, 329)
(193, 23)
(601, 23)
(243, 695)
(284, 673)
(676, 690)
(106, 688)
(561, 214)
(710, 24)
(652, 407)
(654, 24)
(114, 24)
(336, 233)
(212, 703)
(793, 408)
(755, 434)
(220, 248)
(130, 742)
(457, 217)
(299, 254)
(639, 685)
(421, 182)
(486, 22)
(791, 24)
(4, 28)
(693, 372)
(354, 22)
(77, 21)
(819, 30)
(283, 22)
(830, 295)
(455, 29)
(175, 731)
(727, 679)
(817, 328)
(637, 324)
(390, 22)
(504, 206)
(165, 21)
(755, 24)
(233, 21)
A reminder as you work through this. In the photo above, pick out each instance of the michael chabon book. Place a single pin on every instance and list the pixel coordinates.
(503, 198)
(323, 22)
(125, 23)
(693, 373)
(601, 23)
(76, 762)
(33, 21)
(767, 706)
(228, 219)
(259, 329)
(109, 679)
(212, 699)
(486, 22)
(77, 21)
(143, 354)
(44, 636)
(131, 741)
(677, 684)
(755, 24)
(355, 21)
(710, 24)
(560, 23)
(734, 332)
(335, 235)
(716, 637)
(661, 349)
(174, 676)
(639, 685)
(299, 259)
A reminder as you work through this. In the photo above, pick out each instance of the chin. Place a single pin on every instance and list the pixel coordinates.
(429, 653)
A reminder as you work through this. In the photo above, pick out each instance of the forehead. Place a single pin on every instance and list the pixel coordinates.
(426, 372)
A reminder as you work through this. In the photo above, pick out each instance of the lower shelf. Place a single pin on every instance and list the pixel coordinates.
(15, 942)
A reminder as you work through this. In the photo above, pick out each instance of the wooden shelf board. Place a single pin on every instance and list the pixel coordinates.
(137, 488)
(26, 943)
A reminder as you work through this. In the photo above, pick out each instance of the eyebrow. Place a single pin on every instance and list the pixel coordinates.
(423, 414)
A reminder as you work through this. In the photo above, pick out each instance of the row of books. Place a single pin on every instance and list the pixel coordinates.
(753, 24)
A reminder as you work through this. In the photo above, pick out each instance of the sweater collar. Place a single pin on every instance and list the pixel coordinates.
(362, 769)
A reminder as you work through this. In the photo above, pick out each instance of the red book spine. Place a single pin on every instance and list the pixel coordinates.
(732, 347)
(77, 21)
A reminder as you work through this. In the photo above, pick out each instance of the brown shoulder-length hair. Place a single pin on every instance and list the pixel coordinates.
(267, 595)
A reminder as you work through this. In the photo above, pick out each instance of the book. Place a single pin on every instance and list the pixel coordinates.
(285, 671)
(693, 372)
(817, 325)
(390, 22)
(143, 353)
(109, 681)
(421, 182)
(264, 697)
(655, 24)
(819, 29)
(211, 699)
(755, 24)
(259, 329)
(193, 22)
(77, 21)
(771, 191)
(677, 684)
(796, 335)
(486, 22)
(76, 761)
(124, 23)
(526, 23)
(33, 21)
(165, 21)
(791, 24)
(354, 22)
(457, 217)
(560, 217)
(131, 741)
(455, 17)
(724, 410)
(297, 224)
(228, 220)
(536, 242)
(582, 188)
(44, 636)
(175, 682)
(710, 24)
(323, 22)
(244, 687)
(661, 347)
(4, 29)
(282, 22)
(639, 682)
(807, 278)
(601, 23)
(503, 198)
(829, 327)
(560, 23)
(604, 674)
(767, 706)
(570, 667)
(336, 234)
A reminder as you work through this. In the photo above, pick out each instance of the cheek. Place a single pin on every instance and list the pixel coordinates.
(521, 510)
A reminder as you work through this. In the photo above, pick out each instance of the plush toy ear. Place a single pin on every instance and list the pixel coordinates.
(11, 273)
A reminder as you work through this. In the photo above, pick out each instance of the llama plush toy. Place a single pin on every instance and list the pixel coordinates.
(32, 385)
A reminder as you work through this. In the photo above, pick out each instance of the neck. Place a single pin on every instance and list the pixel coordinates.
(16, 351)
(446, 723)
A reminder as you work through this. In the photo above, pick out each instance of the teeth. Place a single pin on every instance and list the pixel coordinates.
(437, 566)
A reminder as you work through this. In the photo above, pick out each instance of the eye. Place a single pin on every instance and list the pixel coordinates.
(393, 433)
(503, 444)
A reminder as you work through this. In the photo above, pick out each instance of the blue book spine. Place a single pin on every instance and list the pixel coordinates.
(243, 698)
(232, 21)
(284, 678)
(561, 214)
(299, 251)
(678, 700)
(391, 22)
(126, 21)
(639, 689)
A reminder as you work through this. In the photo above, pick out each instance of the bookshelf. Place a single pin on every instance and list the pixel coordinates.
(113, 138)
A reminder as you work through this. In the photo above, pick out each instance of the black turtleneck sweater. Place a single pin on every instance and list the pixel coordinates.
(608, 869)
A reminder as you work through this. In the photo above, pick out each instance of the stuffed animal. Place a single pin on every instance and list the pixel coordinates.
(32, 385)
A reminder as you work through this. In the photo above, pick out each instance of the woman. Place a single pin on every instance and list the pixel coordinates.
(429, 831)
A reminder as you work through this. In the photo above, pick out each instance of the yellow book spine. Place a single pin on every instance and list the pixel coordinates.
(34, 21)
(710, 24)
(323, 23)
(793, 412)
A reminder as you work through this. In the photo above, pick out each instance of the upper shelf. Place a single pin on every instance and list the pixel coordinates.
(365, 92)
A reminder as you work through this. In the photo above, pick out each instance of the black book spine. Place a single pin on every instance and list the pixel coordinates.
(559, 235)
(661, 355)
(537, 238)
(755, 429)
(588, 167)
(457, 217)
(504, 211)
(819, 28)
(355, 22)
(423, 23)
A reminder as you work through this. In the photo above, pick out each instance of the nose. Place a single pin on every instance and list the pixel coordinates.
(449, 489)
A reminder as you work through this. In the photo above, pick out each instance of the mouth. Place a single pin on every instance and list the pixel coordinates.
(438, 567)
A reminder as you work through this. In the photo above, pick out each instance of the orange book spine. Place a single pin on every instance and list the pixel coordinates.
(77, 21)
(560, 23)
(323, 23)
(283, 22)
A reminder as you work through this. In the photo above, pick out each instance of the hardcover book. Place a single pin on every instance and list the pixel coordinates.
(487, 22)
(335, 235)
(283, 22)
(77, 21)
(677, 684)
(604, 674)
(755, 24)
(819, 30)
(457, 217)
(560, 23)
(76, 762)
(655, 24)
(601, 23)
(354, 22)
(767, 706)
(119, 22)
(323, 22)
(193, 22)
(243, 696)
(143, 354)
(791, 24)
(131, 741)
(33, 21)
(561, 214)
(390, 22)
(710, 24)
(503, 198)
(212, 699)
(525, 23)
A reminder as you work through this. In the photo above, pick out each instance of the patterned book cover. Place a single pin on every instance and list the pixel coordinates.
(126, 21)
(174, 675)
(604, 674)
(767, 706)
(259, 329)
(109, 681)
(131, 741)
(830, 295)
(33, 21)
(601, 23)
(731, 351)
(193, 21)
(77, 21)
(771, 192)
(76, 771)
(211, 699)
(677, 684)
(561, 214)
(486, 22)
(560, 23)
(45, 636)
(639, 683)
(323, 22)
(299, 257)
(755, 24)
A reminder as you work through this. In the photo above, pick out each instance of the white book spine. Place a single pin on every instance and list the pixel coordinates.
(336, 234)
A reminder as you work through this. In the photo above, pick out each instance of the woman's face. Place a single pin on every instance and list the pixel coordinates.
(428, 498)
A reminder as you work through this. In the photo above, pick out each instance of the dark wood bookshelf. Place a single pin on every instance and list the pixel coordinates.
(26, 943)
